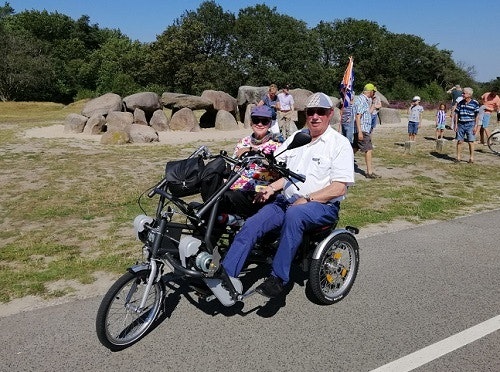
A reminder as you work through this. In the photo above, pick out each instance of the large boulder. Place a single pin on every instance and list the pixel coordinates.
(95, 124)
(247, 120)
(248, 94)
(383, 100)
(115, 138)
(184, 120)
(389, 116)
(75, 123)
(300, 97)
(140, 117)
(142, 134)
(176, 101)
(225, 121)
(220, 100)
(119, 121)
(159, 121)
(149, 102)
(103, 105)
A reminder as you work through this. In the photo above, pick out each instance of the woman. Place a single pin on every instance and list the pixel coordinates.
(271, 100)
(240, 198)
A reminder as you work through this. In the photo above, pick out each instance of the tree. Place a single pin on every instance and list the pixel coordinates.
(49, 56)
(273, 48)
(360, 39)
(192, 55)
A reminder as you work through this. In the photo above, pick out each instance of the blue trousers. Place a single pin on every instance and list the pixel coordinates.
(293, 220)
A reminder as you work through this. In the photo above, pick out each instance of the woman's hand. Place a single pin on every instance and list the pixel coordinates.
(242, 151)
(263, 196)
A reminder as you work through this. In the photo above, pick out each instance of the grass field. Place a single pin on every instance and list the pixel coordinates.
(67, 204)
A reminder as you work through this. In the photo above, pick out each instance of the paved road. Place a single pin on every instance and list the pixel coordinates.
(415, 288)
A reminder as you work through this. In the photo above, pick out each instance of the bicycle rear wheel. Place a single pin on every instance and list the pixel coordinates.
(494, 142)
(332, 275)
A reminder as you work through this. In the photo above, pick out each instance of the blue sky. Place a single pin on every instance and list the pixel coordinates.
(469, 29)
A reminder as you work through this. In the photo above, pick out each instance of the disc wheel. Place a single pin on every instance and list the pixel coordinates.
(494, 142)
(119, 322)
(332, 275)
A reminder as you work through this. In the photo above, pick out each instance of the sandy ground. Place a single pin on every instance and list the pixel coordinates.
(169, 138)
(205, 136)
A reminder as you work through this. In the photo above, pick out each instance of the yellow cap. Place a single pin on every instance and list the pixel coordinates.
(370, 86)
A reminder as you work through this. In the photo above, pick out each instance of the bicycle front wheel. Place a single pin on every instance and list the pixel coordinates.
(494, 142)
(120, 322)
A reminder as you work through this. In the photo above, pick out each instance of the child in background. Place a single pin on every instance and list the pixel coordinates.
(440, 121)
(414, 118)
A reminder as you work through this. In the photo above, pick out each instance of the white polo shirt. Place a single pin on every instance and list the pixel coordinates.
(286, 101)
(329, 158)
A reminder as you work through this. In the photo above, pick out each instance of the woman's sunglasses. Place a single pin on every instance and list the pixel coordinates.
(321, 111)
(260, 120)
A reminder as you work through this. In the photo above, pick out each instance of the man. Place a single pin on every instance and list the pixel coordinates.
(466, 123)
(456, 96)
(286, 102)
(491, 103)
(328, 164)
(363, 109)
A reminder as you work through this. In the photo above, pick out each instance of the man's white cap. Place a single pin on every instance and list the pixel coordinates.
(416, 98)
(319, 100)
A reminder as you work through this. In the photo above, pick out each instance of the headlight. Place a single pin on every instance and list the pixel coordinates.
(140, 226)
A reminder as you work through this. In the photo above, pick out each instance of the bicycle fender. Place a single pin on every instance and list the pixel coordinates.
(319, 248)
(139, 267)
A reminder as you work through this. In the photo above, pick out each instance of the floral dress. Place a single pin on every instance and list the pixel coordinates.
(256, 177)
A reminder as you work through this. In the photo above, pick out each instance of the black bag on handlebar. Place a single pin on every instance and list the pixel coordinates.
(184, 176)
(213, 176)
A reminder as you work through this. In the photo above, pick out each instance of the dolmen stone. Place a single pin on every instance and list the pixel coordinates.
(148, 102)
(142, 134)
(176, 101)
(184, 120)
(75, 123)
(103, 105)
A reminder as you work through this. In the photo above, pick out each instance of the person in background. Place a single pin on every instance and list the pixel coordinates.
(440, 121)
(456, 92)
(362, 109)
(491, 102)
(270, 99)
(376, 104)
(239, 199)
(327, 162)
(456, 96)
(414, 118)
(466, 123)
(346, 125)
(285, 112)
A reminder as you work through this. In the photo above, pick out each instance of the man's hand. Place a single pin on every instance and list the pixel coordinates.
(300, 201)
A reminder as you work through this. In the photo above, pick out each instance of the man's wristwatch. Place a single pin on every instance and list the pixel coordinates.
(307, 197)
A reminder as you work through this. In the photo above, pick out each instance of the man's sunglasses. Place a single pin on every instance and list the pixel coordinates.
(321, 111)
(260, 120)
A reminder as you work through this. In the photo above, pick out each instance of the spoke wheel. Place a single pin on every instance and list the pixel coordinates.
(120, 323)
(332, 275)
(494, 142)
